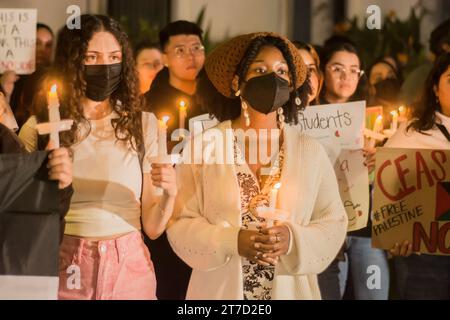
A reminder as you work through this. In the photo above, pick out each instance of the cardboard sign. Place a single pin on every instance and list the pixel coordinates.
(18, 40)
(412, 199)
(339, 128)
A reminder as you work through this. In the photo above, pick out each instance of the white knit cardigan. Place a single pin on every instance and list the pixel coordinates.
(205, 231)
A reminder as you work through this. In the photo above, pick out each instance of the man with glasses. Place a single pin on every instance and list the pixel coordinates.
(173, 87)
(183, 58)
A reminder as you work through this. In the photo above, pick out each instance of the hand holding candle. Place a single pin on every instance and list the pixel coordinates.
(163, 158)
(271, 213)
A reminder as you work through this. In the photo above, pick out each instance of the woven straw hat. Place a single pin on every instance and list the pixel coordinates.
(222, 62)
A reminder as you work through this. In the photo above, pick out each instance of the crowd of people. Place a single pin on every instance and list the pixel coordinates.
(202, 236)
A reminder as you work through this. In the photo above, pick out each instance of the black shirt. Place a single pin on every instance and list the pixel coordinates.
(163, 100)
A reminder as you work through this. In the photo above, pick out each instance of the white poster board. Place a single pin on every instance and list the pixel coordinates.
(339, 128)
(18, 40)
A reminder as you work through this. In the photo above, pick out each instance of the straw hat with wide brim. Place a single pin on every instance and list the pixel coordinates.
(222, 62)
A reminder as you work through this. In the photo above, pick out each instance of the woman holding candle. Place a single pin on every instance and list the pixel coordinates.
(114, 181)
(425, 276)
(255, 84)
(344, 82)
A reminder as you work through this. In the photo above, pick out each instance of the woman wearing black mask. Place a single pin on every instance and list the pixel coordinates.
(102, 254)
(256, 84)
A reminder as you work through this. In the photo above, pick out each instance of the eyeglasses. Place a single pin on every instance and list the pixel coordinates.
(338, 70)
(182, 51)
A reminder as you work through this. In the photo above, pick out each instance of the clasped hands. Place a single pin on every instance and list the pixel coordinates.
(265, 246)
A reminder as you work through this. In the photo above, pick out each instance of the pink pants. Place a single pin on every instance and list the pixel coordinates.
(119, 269)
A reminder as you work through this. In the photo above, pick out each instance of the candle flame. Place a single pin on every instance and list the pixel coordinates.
(165, 119)
(394, 113)
(277, 186)
(401, 109)
(53, 88)
(379, 118)
(182, 104)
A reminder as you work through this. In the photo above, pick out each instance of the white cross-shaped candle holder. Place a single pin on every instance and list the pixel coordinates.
(55, 124)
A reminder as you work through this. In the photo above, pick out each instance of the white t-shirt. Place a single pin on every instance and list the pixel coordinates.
(411, 139)
(107, 180)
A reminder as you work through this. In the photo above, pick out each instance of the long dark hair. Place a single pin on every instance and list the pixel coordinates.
(328, 52)
(424, 111)
(71, 48)
(224, 108)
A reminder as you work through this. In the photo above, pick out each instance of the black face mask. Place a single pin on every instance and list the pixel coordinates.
(266, 93)
(102, 80)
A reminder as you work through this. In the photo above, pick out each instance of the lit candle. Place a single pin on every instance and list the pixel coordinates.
(182, 116)
(54, 125)
(274, 196)
(377, 128)
(270, 215)
(402, 114)
(162, 137)
(53, 114)
(394, 123)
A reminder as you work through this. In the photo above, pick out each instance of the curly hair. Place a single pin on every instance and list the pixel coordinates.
(69, 68)
(424, 110)
(224, 108)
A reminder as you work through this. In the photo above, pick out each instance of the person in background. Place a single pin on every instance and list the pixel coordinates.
(23, 90)
(439, 43)
(312, 61)
(342, 68)
(183, 56)
(256, 83)
(385, 81)
(148, 57)
(115, 181)
(424, 276)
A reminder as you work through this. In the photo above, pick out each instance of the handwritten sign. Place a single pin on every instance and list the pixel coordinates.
(339, 128)
(18, 40)
(412, 199)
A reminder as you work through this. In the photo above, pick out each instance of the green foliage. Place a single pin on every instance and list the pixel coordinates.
(397, 38)
(147, 31)
(206, 31)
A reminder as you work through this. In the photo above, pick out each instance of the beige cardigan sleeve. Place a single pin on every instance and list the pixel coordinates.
(315, 245)
(200, 243)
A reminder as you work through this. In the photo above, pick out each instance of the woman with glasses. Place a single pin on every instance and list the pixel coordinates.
(344, 81)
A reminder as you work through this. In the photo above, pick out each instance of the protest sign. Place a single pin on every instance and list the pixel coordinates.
(18, 40)
(339, 128)
(412, 199)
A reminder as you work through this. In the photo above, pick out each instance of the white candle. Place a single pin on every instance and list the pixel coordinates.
(394, 124)
(402, 114)
(53, 114)
(182, 116)
(378, 125)
(273, 203)
(377, 128)
(162, 137)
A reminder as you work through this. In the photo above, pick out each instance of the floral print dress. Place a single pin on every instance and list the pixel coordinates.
(257, 279)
